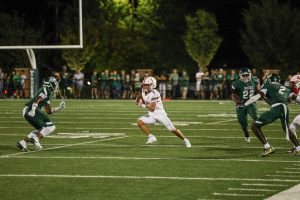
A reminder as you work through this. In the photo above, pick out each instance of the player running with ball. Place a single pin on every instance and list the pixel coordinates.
(38, 119)
(151, 100)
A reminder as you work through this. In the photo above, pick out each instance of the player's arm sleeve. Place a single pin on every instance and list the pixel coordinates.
(260, 94)
(253, 99)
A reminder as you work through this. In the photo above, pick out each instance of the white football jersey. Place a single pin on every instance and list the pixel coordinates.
(154, 96)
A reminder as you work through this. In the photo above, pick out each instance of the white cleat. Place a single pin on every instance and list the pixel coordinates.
(247, 139)
(22, 145)
(187, 143)
(36, 143)
(151, 139)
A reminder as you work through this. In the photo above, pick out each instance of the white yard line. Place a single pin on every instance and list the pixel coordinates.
(290, 194)
(264, 184)
(287, 172)
(152, 145)
(136, 128)
(144, 177)
(288, 176)
(18, 156)
(252, 189)
(292, 168)
(220, 122)
(237, 195)
(64, 146)
(168, 136)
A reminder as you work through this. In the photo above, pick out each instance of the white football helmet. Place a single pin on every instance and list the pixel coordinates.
(296, 81)
(149, 83)
(52, 84)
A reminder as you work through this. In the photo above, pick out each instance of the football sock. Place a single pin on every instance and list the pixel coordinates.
(267, 145)
(246, 132)
(298, 148)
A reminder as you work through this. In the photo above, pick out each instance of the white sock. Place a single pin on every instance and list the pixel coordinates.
(298, 148)
(150, 135)
(32, 134)
(267, 145)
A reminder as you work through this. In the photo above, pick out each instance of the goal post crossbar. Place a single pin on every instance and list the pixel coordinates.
(54, 46)
(42, 47)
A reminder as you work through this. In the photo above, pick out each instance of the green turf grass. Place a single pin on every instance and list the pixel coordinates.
(123, 167)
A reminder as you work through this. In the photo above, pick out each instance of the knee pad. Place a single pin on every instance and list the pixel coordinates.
(47, 130)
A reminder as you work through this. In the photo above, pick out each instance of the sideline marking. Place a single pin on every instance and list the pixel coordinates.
(290, 194)
(238, 195)
(142, 177)
(64, 146)
(250, 189)
(263, 184)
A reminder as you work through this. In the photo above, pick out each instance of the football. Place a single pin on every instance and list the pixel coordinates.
(138, 99)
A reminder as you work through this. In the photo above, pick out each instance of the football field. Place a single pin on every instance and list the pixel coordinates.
(98, 152)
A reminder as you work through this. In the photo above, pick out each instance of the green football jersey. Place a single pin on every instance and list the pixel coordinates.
(276, 93)
(43, 92)
(243, 90)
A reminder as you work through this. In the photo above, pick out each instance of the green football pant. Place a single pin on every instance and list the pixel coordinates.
(39, 121)
(277, 111)
(242, 115)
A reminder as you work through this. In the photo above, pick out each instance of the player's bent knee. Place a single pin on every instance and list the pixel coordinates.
(171, 128)
(293, 127)
(47, 130)
(140, 122)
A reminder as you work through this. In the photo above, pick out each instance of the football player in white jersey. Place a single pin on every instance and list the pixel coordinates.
(151, 100)
(295, 86)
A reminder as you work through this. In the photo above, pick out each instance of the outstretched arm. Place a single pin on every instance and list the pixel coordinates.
(253, 99)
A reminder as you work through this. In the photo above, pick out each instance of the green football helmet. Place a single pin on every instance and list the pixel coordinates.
(273, 78)
(245, 74)
(52, 84)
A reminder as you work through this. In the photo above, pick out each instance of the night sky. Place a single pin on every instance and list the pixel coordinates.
(228, 13)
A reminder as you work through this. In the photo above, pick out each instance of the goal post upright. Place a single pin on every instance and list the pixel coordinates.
(31, 55)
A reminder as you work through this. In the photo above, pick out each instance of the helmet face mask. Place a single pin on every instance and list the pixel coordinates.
(273, 78)
(52, 84)
(245, 75)
(149, 83)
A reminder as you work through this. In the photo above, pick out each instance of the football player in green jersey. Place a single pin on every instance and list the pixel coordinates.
(38, 119)
(277, 96)
(242, 90)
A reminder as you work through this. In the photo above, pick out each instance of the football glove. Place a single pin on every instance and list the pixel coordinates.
(61, 106)
(31, 113)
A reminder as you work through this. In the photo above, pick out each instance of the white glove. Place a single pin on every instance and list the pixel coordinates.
(32, 112)
(62, 104)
